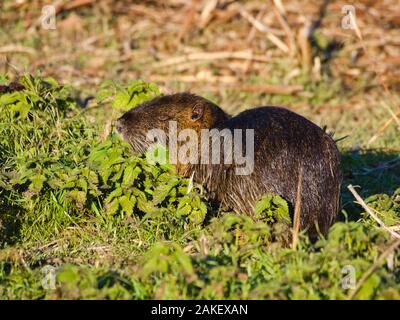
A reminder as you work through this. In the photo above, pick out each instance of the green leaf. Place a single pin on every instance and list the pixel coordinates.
(183, 209)
(22, 108)
(9, 98)
(69, 275)
(77, 196)
(103, 94)
(368, 288)
(121, 101)
(127, 204)
(162, 191)
(82, 183)
(51, 81)
(130, 174)
(272, 208)
(37, 182)
(112, 207)
(114, 194)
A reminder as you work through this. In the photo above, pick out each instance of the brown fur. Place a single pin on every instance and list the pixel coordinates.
(285, 142)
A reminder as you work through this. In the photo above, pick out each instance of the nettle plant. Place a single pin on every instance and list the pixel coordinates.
(55, 155)
(58, 171)
(125, 97)
(55, 152)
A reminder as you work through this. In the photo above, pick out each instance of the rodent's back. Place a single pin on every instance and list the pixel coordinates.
(284, 144)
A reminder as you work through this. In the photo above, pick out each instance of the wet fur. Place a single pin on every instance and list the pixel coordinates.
(284, 143)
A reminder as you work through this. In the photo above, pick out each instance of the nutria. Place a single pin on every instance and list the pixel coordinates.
(285, 144)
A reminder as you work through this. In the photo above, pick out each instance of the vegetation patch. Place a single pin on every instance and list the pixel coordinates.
(111, 224)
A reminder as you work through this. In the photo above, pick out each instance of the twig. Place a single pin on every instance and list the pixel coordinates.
(17, 48)
(261, 27)
(385, 165)
(50, 244)
(383, 41)
(258, 25)
(205, 15)
(395, 228)
(188, 20)
(71, 5)
(190, 184)
(381, 130)
(272, 89)
(297, 210)
(305, 46)
(394, 116)
(279, 5)
(241, 55)
(280, 14)
(368, 273)
(361, 202)
(267, 89)
(200, 77)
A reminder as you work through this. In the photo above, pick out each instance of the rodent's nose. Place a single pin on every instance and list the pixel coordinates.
(119, 125)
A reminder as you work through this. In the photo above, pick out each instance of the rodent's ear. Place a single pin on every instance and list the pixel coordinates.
(197, 112)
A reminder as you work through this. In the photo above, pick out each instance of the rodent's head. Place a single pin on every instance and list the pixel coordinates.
(188, 110)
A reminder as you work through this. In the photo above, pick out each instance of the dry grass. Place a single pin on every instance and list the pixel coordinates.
(239, 53)
(154, 33)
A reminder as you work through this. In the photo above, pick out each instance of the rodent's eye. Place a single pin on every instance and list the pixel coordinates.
(164, 117)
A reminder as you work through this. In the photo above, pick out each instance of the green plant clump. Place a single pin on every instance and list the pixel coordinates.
(112, 225)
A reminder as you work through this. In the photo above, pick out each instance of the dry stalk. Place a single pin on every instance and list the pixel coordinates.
(297, 210)
(361, 202)
(368, 273)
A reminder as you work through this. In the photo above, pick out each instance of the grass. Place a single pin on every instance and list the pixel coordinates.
(59, 165)
(114, 226)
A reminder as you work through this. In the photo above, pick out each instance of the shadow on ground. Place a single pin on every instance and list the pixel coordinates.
(10, 222)
(374, 171)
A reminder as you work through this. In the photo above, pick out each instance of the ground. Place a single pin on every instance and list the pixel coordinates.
(305, 55)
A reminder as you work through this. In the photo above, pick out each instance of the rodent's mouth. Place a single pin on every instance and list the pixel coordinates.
(130, 135)
(137, 144)
(120, 132)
